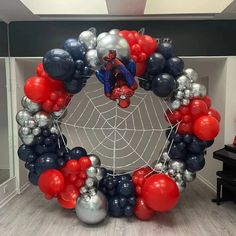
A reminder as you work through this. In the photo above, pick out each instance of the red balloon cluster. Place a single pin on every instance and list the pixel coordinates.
(47, 91)
(156, 193)
(197, 118)
(141, 47)
(65, 184)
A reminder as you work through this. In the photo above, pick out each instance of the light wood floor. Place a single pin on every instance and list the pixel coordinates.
(29, 214)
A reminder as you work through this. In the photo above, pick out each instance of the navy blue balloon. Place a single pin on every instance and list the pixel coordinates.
(75, 48)
(33, 178)
(122, 201)
(147, 85)
(188, 138)
(195, 162)
(178, 138)
(30, 166)
(31, 158)
(197, 146)
(182, 146)
(79, 64)
(77, 152)
(114, 207)
(176, 153)
(74, 86)
(209, 143)
(128, 211)
(59, 64)
(46, 161)
(24, 151)
(163, 85)
(156, 64)
(175, 66)
(125, 188)
(132, 201)
(166, 49)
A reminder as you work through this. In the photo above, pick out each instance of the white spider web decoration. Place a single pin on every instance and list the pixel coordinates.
(124, 139)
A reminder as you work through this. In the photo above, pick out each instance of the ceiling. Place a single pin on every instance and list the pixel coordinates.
(25, 10)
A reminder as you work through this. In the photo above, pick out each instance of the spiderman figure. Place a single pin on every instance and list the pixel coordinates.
(118, 79)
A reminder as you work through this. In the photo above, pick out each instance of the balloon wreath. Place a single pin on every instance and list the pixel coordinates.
(76, 178)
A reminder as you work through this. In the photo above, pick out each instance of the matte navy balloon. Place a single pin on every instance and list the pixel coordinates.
(178, 138)
(33, 178)
(209, 143)
(166, 49)
(188, 138)
(46, 161)
(128, 211)
(77, 152)
(122, 201)
(195, 162)
(176, 153)
(74, 86)
(163, 85)
(155, 64)
(175, 66)
(114, 208)
(24, 151)
(75, 48)
(59, 64)
(125, 188)
(147, 85)
(197, 146)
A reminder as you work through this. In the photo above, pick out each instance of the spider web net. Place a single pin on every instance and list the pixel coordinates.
(124, 139)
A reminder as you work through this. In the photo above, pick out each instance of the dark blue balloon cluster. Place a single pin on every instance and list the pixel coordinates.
(68, 65)
(47, 152)
(120, 193)
(162, 70)
(188, 148)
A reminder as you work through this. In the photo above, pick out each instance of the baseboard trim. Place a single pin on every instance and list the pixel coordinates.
(8, 199)
(24, 187)
(206, 182)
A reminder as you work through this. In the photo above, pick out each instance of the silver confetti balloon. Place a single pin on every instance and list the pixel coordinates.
(88, 38)
(24, 131)
(191, 73)
(177, 165)
(91, 183)
(113, 42)
(92, 59)
(92, 171)
(181, 185)
(27, 139)
(102, 35)
(92, 210)
(30, 123)
(22, 116)
(29, 105)
(95, 160)
(183, 83)
(36, 131)
(43, 119)
(175, 104)
(198, 90)
(114, 31)
(189, 176)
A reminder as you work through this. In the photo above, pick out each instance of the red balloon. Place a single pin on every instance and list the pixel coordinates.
(72, 167)
(140, 68)
(84, 163)
(142, 57)
(185, 128)
(51, 182)
(40, 71)
(142, 211)
(160, 192)
(148, 44)
(198, 108)
(68, 197)
(136, 49)
(207, 100)
(173, 116)
(206, 127)
(214, 113)
(184, 110)
(37, 88)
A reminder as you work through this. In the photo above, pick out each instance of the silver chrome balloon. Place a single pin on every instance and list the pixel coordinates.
(27, 139)
(187, 93)
(113, 42)
(36, 131)
(114, 31)
(59, 114)
(191, 73)
(171, 172)
(83, 190)
(100, 174)
(95, 160)
(159, 167)
(88, 38)
(92, 171)
(92, 210)
(165, 157)
(91, 182)
(24, 131)
(102, 35)
(175, 104)
(181, 185)
(30, 123)
(43, 119)
(198, 90)
(29, 105)
(185, 101)
(54, 130)
(179, 94)
(189, 176)
(183, 83)
(22, 116)
(177, 165)
(92, 191)
(92, 59)
(179, 177)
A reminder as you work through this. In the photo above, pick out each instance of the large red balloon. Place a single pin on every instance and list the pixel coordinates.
(51, 182)
(148, 44)
(198, 108)
(160, 192)
(206, 127)
(37, 88)
(140, 68)
(214, 113)
(142, 211)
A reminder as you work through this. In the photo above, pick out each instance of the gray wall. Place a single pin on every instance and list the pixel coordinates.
(3, 40)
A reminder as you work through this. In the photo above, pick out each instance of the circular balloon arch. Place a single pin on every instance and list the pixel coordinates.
(122, 61)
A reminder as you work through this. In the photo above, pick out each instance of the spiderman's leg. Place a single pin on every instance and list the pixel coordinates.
(100, 74)
(107, 83)
(131, 67)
